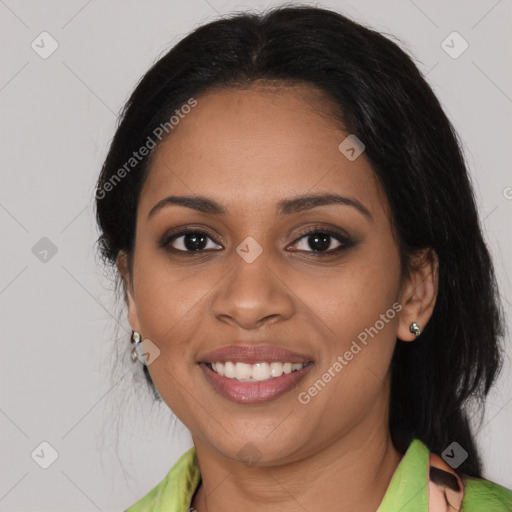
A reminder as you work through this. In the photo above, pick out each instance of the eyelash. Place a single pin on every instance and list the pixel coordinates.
(343, 239)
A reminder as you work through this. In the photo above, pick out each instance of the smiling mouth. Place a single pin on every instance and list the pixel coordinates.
(257, 383)
(258, 372)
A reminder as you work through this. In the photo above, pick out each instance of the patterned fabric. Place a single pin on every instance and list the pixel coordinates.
(422, 482)
(445, 487)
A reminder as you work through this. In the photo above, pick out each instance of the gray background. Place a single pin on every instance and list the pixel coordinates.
(61, 379)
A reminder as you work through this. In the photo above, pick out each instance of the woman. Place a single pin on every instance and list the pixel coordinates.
(304, 270)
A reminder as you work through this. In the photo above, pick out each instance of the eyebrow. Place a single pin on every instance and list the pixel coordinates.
(284, 207)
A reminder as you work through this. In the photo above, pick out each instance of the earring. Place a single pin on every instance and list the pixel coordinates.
(136, 338)
(415, 329)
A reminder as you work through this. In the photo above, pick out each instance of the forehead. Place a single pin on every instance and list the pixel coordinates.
(258, 144)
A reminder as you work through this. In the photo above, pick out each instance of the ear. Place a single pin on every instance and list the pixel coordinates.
(124, 270)
(418, 293)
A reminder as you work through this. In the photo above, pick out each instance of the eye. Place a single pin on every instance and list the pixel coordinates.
(190, 240)
(320, 242)
(317, 241)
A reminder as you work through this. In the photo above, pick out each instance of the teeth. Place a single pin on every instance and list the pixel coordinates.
(254, 372)
(243, 371)
(229, 369)
(260, 371)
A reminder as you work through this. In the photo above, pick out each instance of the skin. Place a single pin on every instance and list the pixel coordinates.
(249, 149)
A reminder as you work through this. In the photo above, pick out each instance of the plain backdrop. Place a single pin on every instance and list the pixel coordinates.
(105, 443)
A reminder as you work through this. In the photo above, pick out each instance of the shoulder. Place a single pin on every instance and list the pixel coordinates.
(483, 495)
(465, 493)
(174, 492)
(462, 492)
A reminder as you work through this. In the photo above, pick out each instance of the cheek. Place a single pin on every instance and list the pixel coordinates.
(353, 296)
(356, 307)
(169, 298)
(169, 310)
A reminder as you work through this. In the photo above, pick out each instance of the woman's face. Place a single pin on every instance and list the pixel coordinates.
(336, 299)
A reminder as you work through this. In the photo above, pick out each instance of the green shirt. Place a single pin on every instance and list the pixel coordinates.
(407, 491)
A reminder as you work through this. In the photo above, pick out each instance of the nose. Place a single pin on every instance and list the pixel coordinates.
(252, 295)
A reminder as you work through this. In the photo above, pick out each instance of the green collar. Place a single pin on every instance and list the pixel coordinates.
(407, 491)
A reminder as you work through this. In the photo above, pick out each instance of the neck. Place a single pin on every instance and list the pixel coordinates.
(352, 472)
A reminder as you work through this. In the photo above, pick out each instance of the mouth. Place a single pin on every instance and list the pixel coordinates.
(256, 383)
(259, 372)
(252, 374)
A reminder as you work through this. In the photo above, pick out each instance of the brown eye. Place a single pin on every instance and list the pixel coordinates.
(189, 241)
(322, 241)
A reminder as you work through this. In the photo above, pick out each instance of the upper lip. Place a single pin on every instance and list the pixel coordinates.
(252, 354)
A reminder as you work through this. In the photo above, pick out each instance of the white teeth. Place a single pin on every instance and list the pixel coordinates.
(254, 372)
(229, 369)
(261, 371)
(243, 371)
(276, 369)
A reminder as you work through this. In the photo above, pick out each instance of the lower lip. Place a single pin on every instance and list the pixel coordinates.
(254, 392)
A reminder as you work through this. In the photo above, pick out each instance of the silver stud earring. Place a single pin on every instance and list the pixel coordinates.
(415, 329)
(136, 339)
